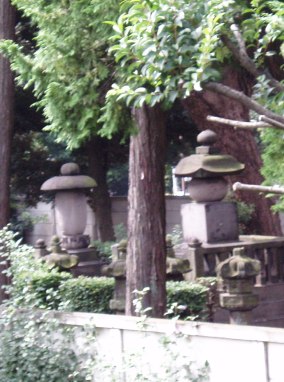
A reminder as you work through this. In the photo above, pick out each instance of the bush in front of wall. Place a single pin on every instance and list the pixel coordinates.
(87, 294)
(30, 352)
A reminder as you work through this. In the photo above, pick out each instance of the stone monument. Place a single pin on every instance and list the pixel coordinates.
(238, 275)
(70, 205)
(208, 219)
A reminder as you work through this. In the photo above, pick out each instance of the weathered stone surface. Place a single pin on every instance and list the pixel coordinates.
(202, 166)
(238, 266)
(69, 180)
(206, 162)
(211, 222)
(237, 273)
(238, 302)
(40, 249)
(208, 189)
(59, 258)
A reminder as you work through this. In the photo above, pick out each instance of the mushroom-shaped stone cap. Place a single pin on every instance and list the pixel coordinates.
(208, 165)
(207, 137)
(238, 266)
(206, 162)
(69, 179)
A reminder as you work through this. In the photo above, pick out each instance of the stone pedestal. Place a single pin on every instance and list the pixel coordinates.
(237, 274)
(117, 269)
(211, 222)
(89, 262)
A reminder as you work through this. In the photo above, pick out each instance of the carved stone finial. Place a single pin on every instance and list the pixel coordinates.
(207, 137)
(70, 169)
(40, 249)
(238, 266)
(193, 242)
(60, 258)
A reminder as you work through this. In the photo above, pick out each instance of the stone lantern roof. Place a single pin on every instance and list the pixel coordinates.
(206, 162)
(70, 179)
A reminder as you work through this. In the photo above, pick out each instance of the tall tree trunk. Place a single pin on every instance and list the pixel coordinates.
(101, 202)
(7, 30)
(239, 143)
(146, 252)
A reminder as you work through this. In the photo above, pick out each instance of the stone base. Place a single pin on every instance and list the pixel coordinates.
(75, 241)
(210, 222)
(84, 254)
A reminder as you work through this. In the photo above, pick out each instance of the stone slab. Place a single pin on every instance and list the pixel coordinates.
(211, 222)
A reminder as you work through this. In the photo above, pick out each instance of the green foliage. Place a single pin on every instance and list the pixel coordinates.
(34, 347)
(188, 300)
(103, 248)
(40, 289)
(273, 168)
(176, 234)
(87, 294)
(164, 50)
(69, 67)
(30, 352)
(20, 259)
(33, 283)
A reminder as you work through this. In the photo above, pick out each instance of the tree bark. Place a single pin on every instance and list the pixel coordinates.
(101, 201)
(239, 143)
(7, 30)
(146, 251)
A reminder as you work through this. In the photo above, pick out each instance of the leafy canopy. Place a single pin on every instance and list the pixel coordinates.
(69, 67)
(167, 48)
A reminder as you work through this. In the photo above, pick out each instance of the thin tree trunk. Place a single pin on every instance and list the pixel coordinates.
(101, 201)
(146, 252)
(7, 30)
(239, 143)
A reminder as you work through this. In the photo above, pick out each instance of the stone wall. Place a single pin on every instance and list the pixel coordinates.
(45, 226)
(234, 353)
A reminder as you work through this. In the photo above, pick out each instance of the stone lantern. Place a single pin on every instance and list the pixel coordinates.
(208, 219)
(117, 269)
(70, 205)
(238, 275)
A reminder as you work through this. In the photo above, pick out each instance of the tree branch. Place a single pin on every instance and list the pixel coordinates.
(275, 124)
(255, 188)
(267, 123)
(240, 53)
(243, 99)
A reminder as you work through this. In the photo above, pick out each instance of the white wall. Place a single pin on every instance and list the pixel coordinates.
(235, 353)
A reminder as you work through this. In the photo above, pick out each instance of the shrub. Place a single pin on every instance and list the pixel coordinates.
(40, 289)
(30, 352)
(87, 294)
(103, 249)
(186, 299)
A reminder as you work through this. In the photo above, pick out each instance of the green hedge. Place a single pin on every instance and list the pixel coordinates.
(54, 290)
(186, 299)
(87, 294)
(40, 289)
